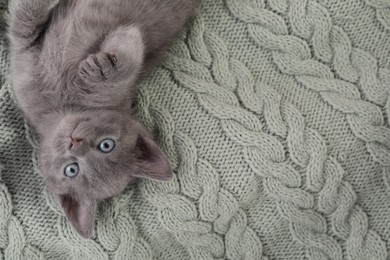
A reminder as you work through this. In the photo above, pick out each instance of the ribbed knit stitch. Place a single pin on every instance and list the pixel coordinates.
(275, 117)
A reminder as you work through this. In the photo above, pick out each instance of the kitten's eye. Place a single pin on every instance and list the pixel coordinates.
(106, 146)
(71, 170)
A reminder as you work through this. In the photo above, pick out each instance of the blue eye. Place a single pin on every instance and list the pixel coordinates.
(106, 146)
(71, 170)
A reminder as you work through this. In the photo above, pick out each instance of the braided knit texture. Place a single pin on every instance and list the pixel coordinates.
(275, 117)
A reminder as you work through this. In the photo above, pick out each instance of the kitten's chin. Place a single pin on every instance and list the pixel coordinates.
(58, 124)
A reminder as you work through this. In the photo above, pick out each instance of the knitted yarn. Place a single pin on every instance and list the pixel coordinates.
(275, 117)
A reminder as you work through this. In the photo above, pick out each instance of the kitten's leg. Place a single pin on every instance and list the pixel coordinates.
(28, 18)
(119, 60)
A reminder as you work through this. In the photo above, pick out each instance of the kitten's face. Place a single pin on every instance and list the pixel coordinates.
(92, 156)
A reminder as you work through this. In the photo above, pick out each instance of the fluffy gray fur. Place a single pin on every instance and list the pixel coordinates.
(74, 67)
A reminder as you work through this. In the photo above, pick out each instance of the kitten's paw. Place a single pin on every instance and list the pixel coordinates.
(99, 68)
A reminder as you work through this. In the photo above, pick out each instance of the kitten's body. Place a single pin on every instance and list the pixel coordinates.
(73, 30)
(74, 66)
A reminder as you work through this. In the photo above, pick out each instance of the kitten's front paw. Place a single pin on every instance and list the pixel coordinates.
(99, 67)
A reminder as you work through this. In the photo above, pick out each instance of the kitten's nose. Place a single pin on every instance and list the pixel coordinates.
(75, 142)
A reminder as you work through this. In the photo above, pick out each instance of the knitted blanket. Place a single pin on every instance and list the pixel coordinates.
(275, 116)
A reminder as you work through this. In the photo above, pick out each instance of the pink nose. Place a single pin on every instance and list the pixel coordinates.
(75, 142)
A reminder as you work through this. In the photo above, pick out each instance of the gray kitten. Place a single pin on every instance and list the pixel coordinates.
(74, 66)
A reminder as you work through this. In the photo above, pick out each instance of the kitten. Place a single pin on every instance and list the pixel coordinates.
(74, 67)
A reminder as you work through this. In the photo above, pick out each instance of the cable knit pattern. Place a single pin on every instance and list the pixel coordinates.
(293, 57)
(275, 117)
(177, 213)
(118, 233)
(324, 176)
(382, 8)
(13, 244)
(281, 182)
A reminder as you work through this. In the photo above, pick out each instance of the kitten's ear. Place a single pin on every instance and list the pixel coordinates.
(151, 161)
(81, 213)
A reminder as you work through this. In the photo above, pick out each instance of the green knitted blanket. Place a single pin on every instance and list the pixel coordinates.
(275, 116)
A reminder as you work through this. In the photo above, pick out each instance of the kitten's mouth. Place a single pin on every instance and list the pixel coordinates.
(75, 140)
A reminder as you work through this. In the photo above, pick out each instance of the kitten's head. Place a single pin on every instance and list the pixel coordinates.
(94, 155)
